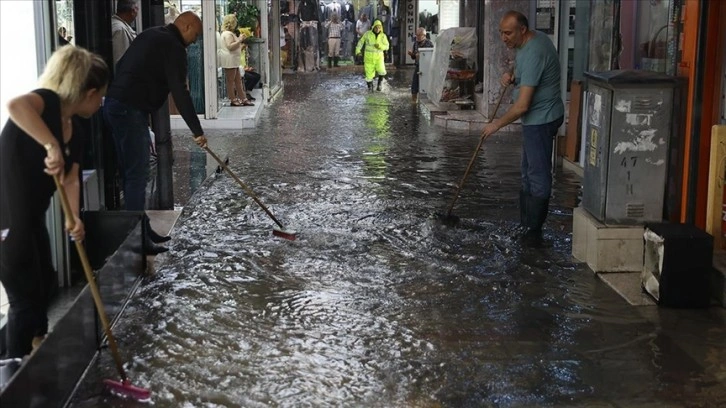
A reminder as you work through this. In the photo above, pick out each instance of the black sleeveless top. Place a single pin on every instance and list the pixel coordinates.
(25, 189)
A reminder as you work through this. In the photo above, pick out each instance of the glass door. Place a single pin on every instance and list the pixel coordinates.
(276, 40)
(195, 54)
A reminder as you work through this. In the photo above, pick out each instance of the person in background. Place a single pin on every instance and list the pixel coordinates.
(62, 39)
(376, 43)
(420, 42)
(250, 77)
(230, 56)
(335, 28)
(121, 31)
(40, 140)
(361, 27)
(538, 103)
(154, 65)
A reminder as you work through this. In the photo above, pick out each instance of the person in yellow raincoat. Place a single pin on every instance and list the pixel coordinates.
(376, 42)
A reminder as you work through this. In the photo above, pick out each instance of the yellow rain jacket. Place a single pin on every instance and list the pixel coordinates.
(375, 44)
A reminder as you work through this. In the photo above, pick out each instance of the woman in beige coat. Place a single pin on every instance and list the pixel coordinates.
(229, 57)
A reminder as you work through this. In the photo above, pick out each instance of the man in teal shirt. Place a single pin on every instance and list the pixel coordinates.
(538, 103)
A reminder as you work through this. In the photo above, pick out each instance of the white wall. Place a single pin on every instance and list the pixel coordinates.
(18, 61)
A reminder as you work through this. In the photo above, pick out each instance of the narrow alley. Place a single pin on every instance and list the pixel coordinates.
(377, 304)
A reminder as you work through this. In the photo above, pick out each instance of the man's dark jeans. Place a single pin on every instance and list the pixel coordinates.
(537, 158)
(415, 81)
(130, 129)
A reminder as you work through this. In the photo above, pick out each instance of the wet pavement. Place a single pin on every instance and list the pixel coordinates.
(377, 304)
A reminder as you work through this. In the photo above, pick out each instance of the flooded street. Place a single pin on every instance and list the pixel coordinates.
(377, 304)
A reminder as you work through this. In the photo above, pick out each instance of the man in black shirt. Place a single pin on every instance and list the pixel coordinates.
(154, 65)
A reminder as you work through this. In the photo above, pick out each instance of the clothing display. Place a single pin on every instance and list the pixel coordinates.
(347, 40)
(384, 15)
(308, 46)
(348, 12)
(332, 8)
(307, 10)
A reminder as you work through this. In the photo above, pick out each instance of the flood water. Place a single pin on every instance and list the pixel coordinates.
(377, 304)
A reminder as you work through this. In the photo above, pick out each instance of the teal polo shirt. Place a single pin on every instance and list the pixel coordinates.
(537, 64)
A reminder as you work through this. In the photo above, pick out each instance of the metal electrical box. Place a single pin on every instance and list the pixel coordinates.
(629, 120)
(425, 59)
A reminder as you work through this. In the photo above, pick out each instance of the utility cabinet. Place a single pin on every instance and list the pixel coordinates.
(629, 120)
(425, 58)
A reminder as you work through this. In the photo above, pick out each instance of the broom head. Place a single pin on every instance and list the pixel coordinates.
(125, 389)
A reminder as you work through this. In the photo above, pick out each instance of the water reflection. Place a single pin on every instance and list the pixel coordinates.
(376, 303)
(378, 123)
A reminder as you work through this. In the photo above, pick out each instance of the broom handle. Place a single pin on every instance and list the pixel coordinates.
(91, 282)
(476, 152)
(244, 186)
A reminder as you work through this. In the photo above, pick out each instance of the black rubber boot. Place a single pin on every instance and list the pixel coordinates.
(370, 85)
(380, 80)
(335, 61)
(153, 235)
(537, 209)
(523, 208)
(151, 248)
(330, 62)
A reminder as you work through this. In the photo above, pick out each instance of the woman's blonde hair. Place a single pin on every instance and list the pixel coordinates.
(229, 23)
(72, 71)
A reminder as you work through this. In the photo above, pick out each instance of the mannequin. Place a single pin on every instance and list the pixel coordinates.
(384, 14)
(308, 45)
(348, 40)
(348, 12)
(334, 8)
(307, 10)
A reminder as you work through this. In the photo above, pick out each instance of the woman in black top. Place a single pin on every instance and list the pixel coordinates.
(39, 141)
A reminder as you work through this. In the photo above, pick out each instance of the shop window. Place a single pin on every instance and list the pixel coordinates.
(656, 36)
(65, 28)
(195, 53)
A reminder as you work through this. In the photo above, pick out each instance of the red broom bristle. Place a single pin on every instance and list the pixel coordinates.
(126, 390)
(283, 234)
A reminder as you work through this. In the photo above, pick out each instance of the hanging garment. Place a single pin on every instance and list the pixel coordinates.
(308, 53)
(348, 12)
(307, 10)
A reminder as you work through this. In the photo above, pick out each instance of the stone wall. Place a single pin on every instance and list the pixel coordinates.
(497, 58)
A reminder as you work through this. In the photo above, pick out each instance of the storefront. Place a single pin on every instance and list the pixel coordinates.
(305, 30)
(259, 20)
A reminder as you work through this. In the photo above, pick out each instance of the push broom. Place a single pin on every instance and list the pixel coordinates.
(280, 231)
(122, 388)
(448, 218)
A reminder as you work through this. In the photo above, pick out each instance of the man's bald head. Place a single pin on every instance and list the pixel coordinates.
(189, 25)
(514, 29)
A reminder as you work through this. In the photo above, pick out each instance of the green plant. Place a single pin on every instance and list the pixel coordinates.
(246, 13)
